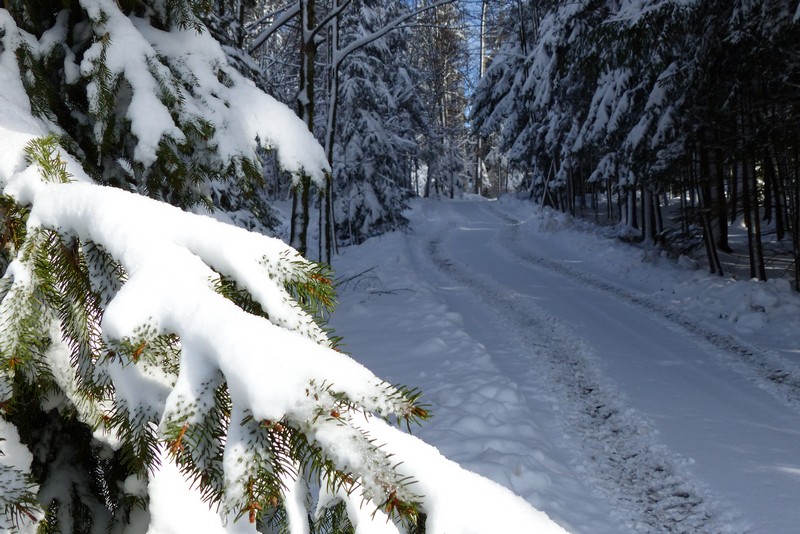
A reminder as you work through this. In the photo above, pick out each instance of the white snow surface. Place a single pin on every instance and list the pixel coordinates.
(612, 388)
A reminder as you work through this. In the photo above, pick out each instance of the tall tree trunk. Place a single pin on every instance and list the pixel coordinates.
(240, 30)
(739, 175)
(752, 220)
(773, 175)
(305, 109)
(648, 230)
(714, 265)
(794, 195)
(428, 179)
(632, 222)
(684, 205)
(721, 206)
(659, 222)
(755, 218)
(708, 217)
(734, 196)
(481, 72)
(746, 129)
(328, 228)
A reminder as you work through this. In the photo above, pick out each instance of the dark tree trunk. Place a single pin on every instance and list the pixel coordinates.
(721, 213)
(305, 109)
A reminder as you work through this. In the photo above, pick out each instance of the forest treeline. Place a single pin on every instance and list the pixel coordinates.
(616, 107)
(612, 107)
(637, 103)
(382, 84)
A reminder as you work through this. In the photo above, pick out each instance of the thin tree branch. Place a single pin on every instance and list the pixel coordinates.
(269, 15)
(285, 17)
(328, 19)
(393, 25)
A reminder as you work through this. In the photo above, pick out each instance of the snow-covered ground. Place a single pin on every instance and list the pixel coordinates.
(607, 385)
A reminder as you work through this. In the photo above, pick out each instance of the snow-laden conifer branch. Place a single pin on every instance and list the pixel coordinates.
(274, 408)
(341, 54)
(281, 18)
(167, 256)
(141, 336)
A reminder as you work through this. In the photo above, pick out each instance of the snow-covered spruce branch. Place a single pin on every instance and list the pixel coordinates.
(246, 404)
(144, 348)
(251, 370)
(393, 25)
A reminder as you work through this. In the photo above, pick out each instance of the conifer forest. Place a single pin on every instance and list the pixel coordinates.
(399, 266)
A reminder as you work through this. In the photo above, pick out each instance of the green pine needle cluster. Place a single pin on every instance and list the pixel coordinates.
(92, 109)
(58, 392)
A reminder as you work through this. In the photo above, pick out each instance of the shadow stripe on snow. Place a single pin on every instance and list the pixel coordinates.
(767, 370)
(645, 483)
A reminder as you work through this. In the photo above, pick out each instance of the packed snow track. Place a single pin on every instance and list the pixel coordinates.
(664, 425)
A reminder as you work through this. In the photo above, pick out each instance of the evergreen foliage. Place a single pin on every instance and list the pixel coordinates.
(95, 397)
(67, 392)
(136, 117)
(637, 99)
(378, 114)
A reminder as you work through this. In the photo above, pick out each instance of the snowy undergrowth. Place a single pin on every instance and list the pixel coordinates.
(754, 320)
(759, 312)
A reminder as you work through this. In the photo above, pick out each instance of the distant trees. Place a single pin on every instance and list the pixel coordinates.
(440, 56)
(352, 78)
(633, 101)
(378, 118)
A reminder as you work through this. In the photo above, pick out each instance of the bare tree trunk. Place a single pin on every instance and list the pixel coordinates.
(755, 218)
(720, 202)
(746, 198)
(632, 222)
(648, 215)
(305, 109)
(714, 265)
(240, 31)
(659, 217)
(794, 202)
(734, 196)
(328, 229)
(774, 176)
(481, 72)
(684, 205)
(708, 216)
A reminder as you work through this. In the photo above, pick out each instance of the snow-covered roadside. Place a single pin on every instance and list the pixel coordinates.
(397, 324)
(764, 314)
(756, 321)
(417, 322)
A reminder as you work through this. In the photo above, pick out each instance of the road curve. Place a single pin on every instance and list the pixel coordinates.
(655, 415)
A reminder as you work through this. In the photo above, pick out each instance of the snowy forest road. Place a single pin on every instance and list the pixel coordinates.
(663, 427)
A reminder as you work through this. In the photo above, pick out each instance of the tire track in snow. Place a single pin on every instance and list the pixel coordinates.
(647, 486)
(769, 371)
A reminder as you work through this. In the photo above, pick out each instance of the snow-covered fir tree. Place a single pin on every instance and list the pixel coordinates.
(378, 113)
(630, 100)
